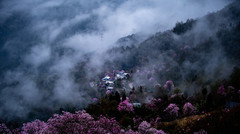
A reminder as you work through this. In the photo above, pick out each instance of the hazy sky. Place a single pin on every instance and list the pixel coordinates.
(111, 18)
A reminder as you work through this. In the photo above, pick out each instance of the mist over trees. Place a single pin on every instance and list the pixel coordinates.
(55, 57)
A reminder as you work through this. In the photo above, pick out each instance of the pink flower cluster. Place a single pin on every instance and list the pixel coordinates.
(107, 125)
(74, 123)
(36, 126)
(125, 106)
(188, 109)
(222, 91)
(154, 103)
(4, 129)
(172, 110)
(78, 123)
(169, 86)
(108, 92)
(95, 100)
(145, 128)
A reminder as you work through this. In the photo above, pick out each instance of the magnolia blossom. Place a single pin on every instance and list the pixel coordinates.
(172, 110)
(169, 86)
(188, 109)
(154, 103)
(125, 106)
(79, 122)
(70, 123)
(36, 126)
(145, 128)
(4, 129)
(108, 92)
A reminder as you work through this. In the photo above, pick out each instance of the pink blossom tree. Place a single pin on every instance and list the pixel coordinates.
(109, 125)
(172, 110)
(188, 109)
(153, 105)
(4, 129)
(81, 123)
(125, 106)
(169, 86)
(145, 128)
(78, 122)
(34, 127)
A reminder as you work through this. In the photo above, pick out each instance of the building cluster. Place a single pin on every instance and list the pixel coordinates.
(112, 81)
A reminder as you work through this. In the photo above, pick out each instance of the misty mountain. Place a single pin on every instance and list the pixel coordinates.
(50, 53)
(198, 51)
